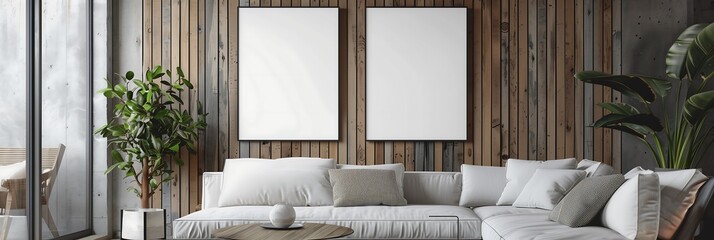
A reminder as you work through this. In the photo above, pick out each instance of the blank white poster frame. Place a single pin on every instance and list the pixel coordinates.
(288, 74)
(416, 73)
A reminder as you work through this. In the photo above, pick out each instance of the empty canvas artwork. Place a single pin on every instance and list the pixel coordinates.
(288, 62)
(416, 74)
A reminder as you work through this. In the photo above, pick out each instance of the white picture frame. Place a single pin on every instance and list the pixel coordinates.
(416, 74)
(288, 74)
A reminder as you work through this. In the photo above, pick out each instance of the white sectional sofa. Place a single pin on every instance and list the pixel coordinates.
(427, 193)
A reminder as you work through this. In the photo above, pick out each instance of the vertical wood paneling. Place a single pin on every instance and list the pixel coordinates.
(523, 85)
(469, 144)
(486, 123)
(597, 66)
(559, 79)
(154, 55)
(201, 89)
(344, 70)
(522, 99)
(166, 194)
(352, 21)
(617, 69)
(362, 150)
(192, 168)
(579, 91)
(606, 67)
(569, 135)
(513, 90)
(175, 49)
(477, 54)
(184, 63)
(550, 74)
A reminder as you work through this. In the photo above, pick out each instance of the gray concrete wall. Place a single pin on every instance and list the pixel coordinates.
(102, 187)
(648, 30)
(126, 49)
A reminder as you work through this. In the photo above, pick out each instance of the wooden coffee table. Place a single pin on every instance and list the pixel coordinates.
(309, 231)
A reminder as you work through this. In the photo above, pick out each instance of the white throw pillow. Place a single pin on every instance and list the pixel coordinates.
(518, 172)
(293, 181)
(398, 169)
(678, 190)
(633, 210)
(594, 168)
(482, 185)
(547, 187)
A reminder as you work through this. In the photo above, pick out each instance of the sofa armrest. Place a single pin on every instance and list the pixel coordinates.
(212, 182)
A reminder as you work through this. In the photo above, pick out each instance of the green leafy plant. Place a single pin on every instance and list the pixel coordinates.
(150, 127)
(684, 135)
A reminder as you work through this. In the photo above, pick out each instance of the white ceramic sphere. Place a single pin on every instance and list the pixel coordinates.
(282, 215)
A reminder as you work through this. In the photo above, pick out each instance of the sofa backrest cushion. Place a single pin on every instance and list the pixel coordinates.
(293, 181)
(482, 185)
(432, 188)
(212, 182)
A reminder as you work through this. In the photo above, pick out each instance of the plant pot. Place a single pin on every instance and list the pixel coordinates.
(143, 223)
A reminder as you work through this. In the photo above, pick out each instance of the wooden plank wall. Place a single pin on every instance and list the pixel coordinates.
(523, 101)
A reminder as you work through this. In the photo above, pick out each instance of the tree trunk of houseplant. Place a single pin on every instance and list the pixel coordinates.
(145, 186)
(144, 222)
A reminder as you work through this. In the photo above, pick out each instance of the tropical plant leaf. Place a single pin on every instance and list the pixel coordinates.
(659, 86)
(646, 120)
(697, 106)
(700, 51)
(632, 86)
(678, 51)
(639, 128)
(620, 108)
(632, 129)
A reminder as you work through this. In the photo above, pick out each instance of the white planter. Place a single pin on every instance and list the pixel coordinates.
(143, 223)
(282, 215)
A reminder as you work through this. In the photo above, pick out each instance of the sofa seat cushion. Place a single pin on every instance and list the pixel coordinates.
(486, 212)
(537, 226)
(385, 222)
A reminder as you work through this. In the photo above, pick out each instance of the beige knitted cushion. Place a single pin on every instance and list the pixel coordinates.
(585, 200)
(364, 187)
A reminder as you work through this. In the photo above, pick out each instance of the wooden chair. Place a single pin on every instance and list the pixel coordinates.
(13, 194)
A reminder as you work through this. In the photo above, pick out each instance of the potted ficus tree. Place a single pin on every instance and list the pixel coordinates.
(679, 137)
(150, 125)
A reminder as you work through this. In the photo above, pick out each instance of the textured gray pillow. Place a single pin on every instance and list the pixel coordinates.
(364, 187)
(585, 200)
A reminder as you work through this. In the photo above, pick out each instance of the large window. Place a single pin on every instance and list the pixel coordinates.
(58, 179)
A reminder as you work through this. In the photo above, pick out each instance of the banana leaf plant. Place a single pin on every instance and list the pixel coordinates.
(149, 127)
(679, 137)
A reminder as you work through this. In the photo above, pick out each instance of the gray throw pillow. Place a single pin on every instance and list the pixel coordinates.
(585, 200)
(364, 187)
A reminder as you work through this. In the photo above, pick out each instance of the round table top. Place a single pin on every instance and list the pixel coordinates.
(309, 231)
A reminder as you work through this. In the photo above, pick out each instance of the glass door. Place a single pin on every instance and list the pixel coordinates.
(66, 131)
(45, 119)
(13, 119)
